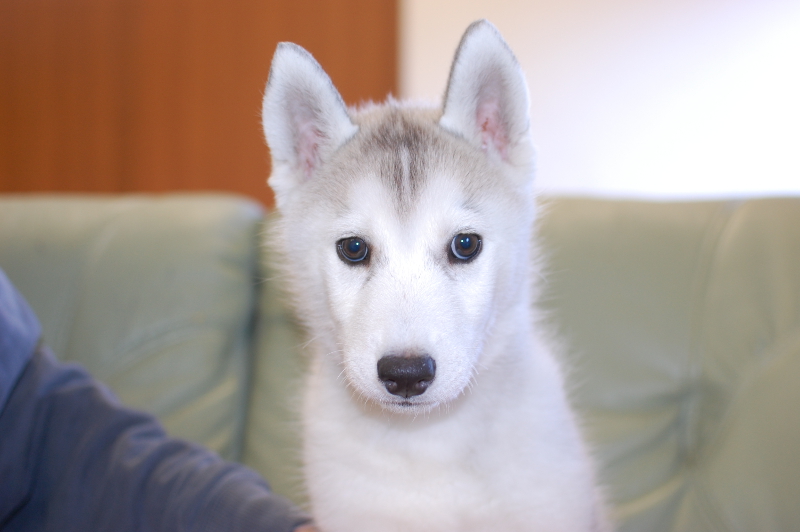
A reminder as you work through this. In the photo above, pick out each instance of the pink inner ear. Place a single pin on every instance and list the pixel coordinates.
(307, 146)
(493, 131)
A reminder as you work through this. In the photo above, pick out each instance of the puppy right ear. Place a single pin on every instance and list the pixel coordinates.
(304, 119)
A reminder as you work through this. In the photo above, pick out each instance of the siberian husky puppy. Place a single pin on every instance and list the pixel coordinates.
(433, 403)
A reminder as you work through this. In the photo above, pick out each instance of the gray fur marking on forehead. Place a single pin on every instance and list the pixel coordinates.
(403, 146)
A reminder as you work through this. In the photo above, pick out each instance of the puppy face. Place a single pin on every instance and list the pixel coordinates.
(411, 243)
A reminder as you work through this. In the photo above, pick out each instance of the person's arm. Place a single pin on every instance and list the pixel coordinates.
(73, 458)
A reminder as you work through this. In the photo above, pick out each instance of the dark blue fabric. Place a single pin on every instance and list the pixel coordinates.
(19, 333)
(73, 459)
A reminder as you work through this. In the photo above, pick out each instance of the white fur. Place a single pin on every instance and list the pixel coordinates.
(492, 445)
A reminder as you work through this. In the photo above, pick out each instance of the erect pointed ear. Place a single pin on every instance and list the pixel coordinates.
(304, 118)
(487, 98)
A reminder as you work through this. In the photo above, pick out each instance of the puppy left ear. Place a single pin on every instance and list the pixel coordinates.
(487, 98)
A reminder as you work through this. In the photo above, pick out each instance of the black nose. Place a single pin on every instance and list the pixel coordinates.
(406, 376)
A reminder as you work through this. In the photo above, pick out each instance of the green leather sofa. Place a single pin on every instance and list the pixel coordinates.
(680, 324)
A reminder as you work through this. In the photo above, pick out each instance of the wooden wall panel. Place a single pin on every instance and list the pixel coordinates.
(163, 95)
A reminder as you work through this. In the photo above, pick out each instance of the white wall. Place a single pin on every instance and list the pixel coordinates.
(653, 98)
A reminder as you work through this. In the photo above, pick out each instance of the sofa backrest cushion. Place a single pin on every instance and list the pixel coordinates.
(155, 295)
(682, 330)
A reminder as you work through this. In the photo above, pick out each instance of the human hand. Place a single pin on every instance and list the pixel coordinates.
(306, 528)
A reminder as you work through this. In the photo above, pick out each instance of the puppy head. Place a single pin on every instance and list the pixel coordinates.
(404, 231)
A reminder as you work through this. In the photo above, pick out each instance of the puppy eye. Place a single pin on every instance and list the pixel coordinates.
(352, 250)
(465, 247)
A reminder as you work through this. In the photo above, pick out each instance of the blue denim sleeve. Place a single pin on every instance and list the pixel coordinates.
(73, 459)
